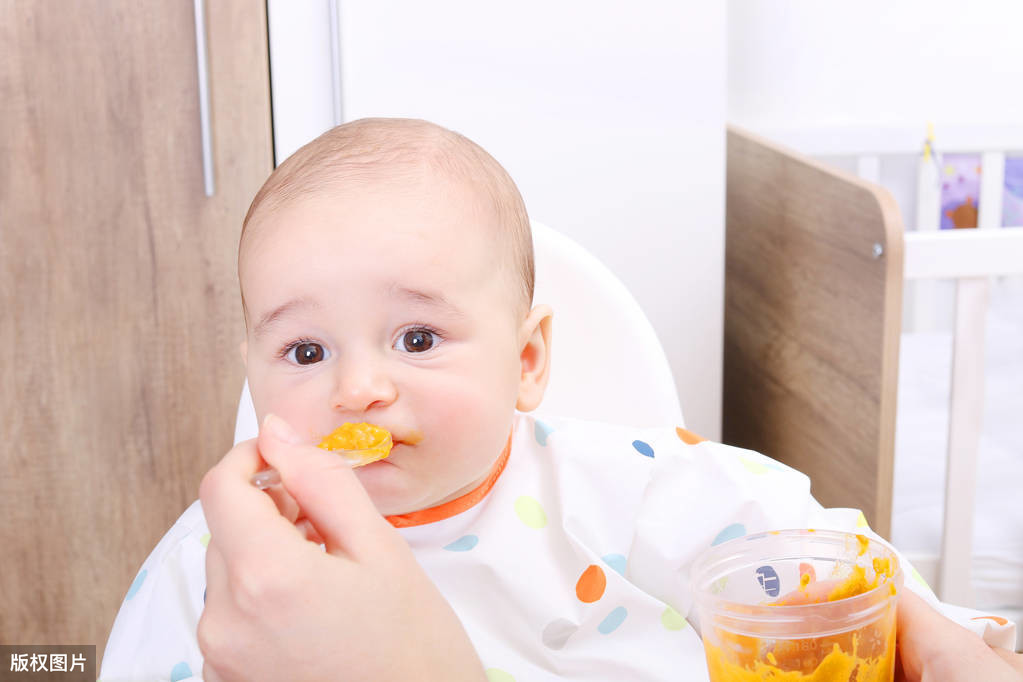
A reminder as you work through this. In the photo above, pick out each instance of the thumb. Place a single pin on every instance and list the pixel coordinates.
(328, 493)
(917, 641)
(932, 646)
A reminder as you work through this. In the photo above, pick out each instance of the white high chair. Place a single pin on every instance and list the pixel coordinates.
(607, 363)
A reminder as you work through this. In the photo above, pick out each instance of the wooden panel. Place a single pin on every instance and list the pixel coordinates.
(812, 322)
(121, 315)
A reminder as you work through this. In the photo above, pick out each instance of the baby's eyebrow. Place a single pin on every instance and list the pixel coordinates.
(280, 311)
(434, 300)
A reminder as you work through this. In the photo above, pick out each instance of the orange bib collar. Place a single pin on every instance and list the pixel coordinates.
(457, 505)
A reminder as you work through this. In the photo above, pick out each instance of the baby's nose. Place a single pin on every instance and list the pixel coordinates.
(361, 385)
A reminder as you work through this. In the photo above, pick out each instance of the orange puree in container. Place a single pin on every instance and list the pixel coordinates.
(836, 666)
(863, 655)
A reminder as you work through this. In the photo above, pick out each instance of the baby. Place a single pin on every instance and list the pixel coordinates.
(387, 276)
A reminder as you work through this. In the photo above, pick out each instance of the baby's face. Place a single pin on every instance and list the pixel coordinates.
(388, 305)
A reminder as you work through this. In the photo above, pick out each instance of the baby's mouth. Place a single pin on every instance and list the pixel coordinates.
(411, 437)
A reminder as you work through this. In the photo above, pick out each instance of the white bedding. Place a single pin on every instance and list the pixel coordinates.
(921, 446)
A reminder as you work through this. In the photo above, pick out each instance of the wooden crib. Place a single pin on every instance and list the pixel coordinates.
(815, 264)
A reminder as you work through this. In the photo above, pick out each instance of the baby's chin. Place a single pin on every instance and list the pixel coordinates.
(392, 489)
(396, 491)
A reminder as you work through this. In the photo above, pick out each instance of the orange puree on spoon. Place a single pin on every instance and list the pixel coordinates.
(359, 443)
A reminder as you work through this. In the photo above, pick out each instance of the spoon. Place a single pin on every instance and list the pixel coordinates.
(265, 478)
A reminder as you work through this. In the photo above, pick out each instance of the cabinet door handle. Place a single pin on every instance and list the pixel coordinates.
(335, 61)
(204, 96)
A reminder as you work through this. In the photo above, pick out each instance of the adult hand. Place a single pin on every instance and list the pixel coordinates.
(933, 648)
(279, 607)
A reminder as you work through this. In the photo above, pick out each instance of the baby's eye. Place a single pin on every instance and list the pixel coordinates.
(307, 353)
(416, 341)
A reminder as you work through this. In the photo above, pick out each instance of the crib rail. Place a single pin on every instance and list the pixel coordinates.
(874, 141)
(970, 257)
(963, 253)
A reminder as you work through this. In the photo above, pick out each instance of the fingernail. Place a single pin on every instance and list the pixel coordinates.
(280, 429)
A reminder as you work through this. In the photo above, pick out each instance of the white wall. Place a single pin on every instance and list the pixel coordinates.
(609, 119)
(799, 63)
(874, 73)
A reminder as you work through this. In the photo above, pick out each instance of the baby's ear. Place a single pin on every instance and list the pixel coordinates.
(243, 348)
(534, 357)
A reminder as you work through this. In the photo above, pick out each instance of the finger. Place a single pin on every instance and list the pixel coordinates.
(211, 634)
(921, 633)
(812, 593)
(928, 641)
(286, 504)
(309, 531)
(329, 494)
(244, 520)
(913, 646)
(216, 577)
(1013, 659)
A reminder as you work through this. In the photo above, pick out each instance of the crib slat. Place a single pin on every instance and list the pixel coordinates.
(924, 298)
(992, 183)
(965, 412)
(868, 167)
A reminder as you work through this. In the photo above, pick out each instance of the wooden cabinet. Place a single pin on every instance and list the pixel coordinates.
(121, 317)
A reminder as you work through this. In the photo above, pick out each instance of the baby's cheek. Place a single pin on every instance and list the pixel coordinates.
(473, 416)
(296, 403)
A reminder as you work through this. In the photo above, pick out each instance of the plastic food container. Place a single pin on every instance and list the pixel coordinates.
(798, 605)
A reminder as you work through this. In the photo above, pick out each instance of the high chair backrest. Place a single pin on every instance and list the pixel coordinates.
(607, 363)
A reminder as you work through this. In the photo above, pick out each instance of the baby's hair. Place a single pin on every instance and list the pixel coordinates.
(379, 148)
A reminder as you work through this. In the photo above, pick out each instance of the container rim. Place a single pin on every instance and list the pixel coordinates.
(851, 611)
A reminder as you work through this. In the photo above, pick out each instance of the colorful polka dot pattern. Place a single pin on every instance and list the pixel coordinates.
(181, 671)
(530, 512)
(643, 448)
(591, 584)
(753, 465)
(136, 584)
(540, 432)
(496, 675)
(463, 544)
(557, 633)
(672, 619)
(758, 464)
(616, 561)
(735, 530)
(613, 620)
(687, 436)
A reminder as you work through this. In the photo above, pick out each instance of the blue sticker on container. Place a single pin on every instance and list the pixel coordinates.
(768, 579)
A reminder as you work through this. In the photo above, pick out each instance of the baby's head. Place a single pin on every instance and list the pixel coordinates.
(387, 276)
